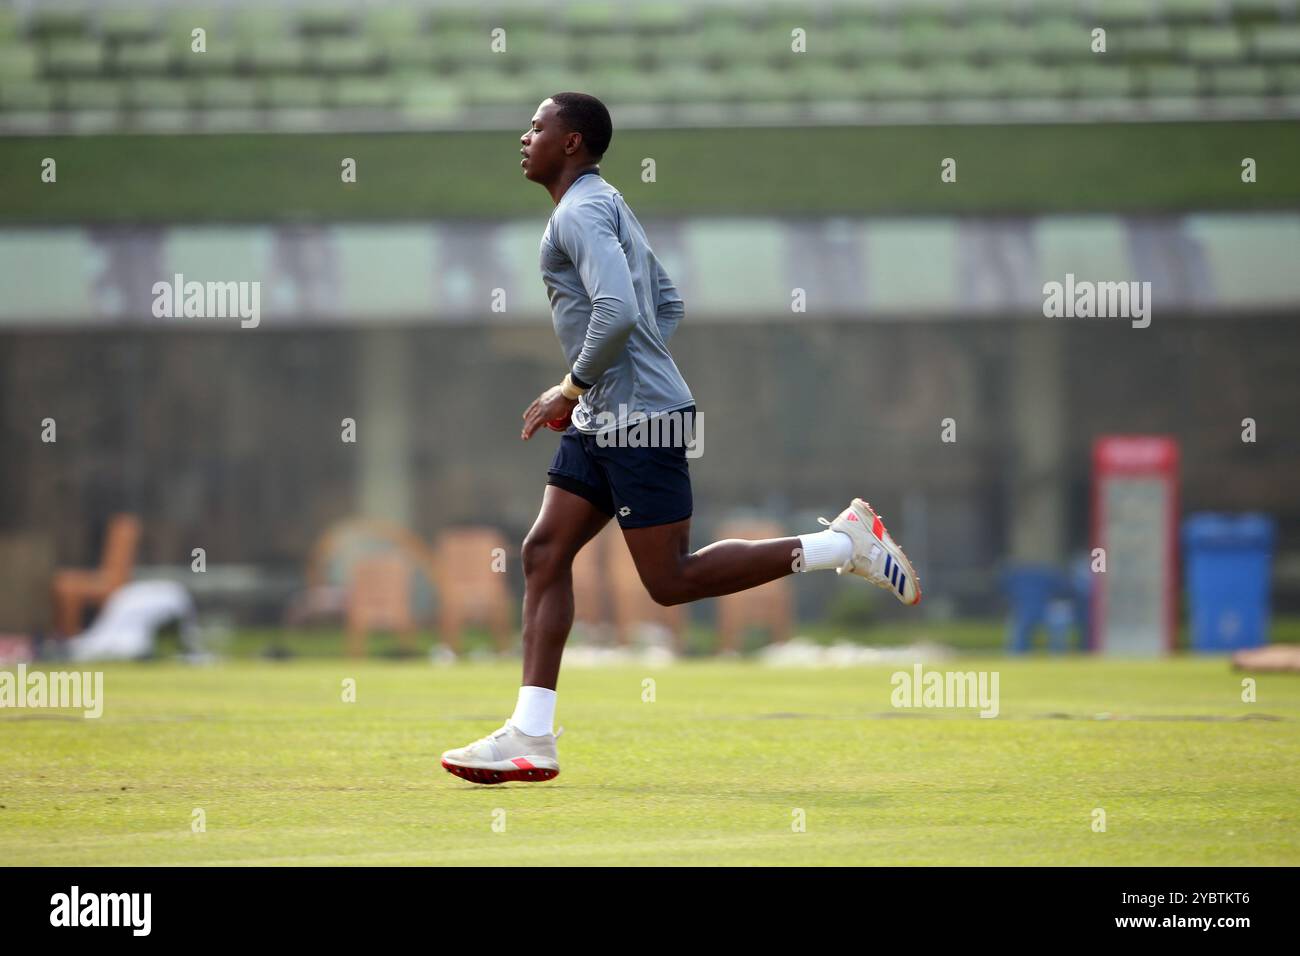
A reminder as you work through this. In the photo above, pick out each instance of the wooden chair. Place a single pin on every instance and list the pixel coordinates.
(379, 597)
(469, 589)
(632, 603)
(330, 567)
(768, 605)
(75, 589)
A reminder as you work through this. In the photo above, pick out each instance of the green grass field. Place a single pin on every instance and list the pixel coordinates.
(711, 772)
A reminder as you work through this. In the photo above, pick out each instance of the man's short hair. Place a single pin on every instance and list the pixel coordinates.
(583, 113)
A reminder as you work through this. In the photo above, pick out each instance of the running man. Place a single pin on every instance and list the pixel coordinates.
(614, 309)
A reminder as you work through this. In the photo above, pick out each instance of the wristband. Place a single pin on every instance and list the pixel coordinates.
(569, 390)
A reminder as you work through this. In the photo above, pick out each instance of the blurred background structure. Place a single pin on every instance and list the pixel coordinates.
(860, 201)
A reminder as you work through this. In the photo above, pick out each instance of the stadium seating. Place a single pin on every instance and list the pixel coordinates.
(434, 65)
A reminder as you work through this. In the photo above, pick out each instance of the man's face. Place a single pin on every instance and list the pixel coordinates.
(544, 144)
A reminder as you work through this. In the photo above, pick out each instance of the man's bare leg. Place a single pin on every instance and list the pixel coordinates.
(674, 575)
(565, 523)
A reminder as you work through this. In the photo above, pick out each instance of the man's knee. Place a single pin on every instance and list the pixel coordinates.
(667, 590)
(543, 556)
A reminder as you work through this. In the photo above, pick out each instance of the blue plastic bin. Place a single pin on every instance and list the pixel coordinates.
(1229, 562)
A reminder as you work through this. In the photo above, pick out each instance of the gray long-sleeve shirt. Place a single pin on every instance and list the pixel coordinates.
(613, 306)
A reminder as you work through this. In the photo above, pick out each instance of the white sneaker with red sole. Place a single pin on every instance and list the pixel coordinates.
(876, 556)
(504, 756)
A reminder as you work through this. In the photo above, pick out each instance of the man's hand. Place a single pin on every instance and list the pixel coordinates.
(550, 405)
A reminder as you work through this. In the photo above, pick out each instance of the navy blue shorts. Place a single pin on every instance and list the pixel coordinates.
(641, 487)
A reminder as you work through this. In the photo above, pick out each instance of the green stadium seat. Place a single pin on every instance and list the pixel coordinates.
(431, 100)
(74, 57)
(934, 40)
(739, 15)
(863, 44)
(143, 56)
(1176, 107)
(1100, 81)
(18, 62)
(223, 49)
(367, 92)
(590, 17)
(958, 80)
(687, 84)
(624, 85)
(1187, 10)
(410, 53)
(1172, 80)
(430, 59)
(1254, 10)
(667, 51)
(1239, 81)
(599, 49)
(537, 85)
(24, 96)
(819, 81)
(98, 94)
(537, 47)
(659, 16)
(718, 46)
(221, 92)
(123, 23)
(890, 81)
(462, 47)
(1288, 79)
(339, 54)
(1110, 13)
(252, 23)
(460, 18)
(1277, 42)
(494, 88)
(770, 45)
(1060, 37)
(148, 93)
(325, 21)
(274, 55)
(55, 21)
(1214, 44)
(294, 92)
(1143, 43)
(527, 13)
(754, 84)
(785, 15)
(998, 38)
(386, 24)
(1028, 80)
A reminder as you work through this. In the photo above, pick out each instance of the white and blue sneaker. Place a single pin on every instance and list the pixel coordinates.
(875, 555)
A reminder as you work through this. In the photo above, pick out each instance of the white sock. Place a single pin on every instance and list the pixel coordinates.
(534, 711)
(824, 550)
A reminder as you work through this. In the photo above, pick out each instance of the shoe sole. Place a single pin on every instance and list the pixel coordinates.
(488, 776)
(897, 553)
